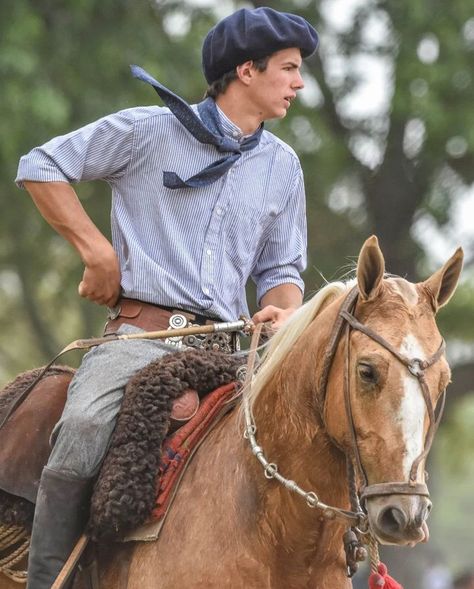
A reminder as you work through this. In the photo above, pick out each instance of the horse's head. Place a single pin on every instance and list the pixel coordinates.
(388, 376)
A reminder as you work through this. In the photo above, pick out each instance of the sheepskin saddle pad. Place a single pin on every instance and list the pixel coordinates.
(125, 491)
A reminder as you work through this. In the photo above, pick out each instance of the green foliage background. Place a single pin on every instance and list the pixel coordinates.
(65, 63)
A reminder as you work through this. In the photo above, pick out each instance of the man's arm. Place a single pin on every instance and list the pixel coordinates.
(278, 304)
(61, 208)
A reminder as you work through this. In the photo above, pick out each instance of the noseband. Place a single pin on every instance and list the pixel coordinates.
(417, 367)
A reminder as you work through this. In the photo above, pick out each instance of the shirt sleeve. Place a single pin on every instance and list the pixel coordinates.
(284, 256)
(100, 150)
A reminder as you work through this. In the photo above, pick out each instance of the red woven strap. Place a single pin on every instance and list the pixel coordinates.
(382, 580)
(177, 449)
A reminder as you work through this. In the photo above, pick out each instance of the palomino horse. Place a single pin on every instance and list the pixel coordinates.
(369, 396)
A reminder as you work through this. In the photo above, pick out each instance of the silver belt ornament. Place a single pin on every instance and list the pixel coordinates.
(221, 341)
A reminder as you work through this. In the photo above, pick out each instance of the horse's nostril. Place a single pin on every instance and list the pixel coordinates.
(423, 515)
(392, 520)
(418, 520)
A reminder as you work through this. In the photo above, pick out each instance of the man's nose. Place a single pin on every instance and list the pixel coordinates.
(298, 83)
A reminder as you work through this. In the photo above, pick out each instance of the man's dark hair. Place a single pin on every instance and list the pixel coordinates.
(221, 85)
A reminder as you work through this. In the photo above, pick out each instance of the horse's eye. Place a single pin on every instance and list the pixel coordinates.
(367, 372)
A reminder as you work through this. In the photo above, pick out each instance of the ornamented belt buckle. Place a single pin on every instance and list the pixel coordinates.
(224, 342)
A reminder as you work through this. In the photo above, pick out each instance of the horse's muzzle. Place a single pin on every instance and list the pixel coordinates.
(399, 519)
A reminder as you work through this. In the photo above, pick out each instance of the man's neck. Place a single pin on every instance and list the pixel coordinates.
(236, 109)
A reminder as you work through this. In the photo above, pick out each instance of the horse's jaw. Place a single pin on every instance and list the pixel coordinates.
(399, 519)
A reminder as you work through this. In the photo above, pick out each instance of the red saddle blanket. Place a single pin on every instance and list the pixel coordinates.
(179, 448)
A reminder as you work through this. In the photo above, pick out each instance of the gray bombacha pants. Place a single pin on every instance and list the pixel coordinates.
(82, 435)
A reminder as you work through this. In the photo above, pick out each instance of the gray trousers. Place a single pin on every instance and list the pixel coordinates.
(82, 435)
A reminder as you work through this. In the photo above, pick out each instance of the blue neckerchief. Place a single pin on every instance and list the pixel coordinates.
(206, 130)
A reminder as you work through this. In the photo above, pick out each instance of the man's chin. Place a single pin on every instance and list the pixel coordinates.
(281, 113)
(276, 114)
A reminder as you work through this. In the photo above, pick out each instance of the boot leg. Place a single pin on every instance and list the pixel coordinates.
(61, 512)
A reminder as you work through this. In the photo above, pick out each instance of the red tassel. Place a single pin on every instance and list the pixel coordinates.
(382, 580)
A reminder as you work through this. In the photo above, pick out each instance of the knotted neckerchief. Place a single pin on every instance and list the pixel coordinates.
(205, 130)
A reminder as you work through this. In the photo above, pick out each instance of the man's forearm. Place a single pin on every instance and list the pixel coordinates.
(278, 304)
(59, 205)
(284, 296)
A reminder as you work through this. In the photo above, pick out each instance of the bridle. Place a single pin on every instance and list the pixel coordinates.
(347, 322)
(357, 517)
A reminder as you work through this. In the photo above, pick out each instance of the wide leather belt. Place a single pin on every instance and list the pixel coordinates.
(151, 317)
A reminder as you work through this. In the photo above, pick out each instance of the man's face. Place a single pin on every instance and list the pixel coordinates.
(272, 91)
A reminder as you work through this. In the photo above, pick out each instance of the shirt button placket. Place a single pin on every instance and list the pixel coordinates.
(210, 246)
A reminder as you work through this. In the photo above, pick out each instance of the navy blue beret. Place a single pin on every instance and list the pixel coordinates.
(252, 34)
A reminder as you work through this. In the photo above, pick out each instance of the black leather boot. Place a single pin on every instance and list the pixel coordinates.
(61, 513)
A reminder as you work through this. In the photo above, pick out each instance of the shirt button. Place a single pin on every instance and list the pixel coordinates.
(208, 252)
(235, 133)
(205, 290)
(218, 211)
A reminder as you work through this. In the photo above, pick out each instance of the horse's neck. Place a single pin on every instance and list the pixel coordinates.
(293, 437)
(291, 433)
(287, 414)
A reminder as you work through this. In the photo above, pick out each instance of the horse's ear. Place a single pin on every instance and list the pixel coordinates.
(370, 269)
(442, 284)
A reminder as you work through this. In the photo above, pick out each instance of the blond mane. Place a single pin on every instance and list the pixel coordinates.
(285, 338)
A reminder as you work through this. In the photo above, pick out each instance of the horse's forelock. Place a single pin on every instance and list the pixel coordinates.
(405, 289)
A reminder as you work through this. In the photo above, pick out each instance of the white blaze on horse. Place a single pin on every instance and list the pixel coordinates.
(353, 377)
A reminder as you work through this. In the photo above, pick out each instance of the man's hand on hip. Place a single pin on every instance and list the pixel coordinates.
(101, 279)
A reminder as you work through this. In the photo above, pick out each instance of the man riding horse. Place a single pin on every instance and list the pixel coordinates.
(202, 199)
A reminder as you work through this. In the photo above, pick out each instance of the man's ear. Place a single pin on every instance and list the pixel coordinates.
(245, 72)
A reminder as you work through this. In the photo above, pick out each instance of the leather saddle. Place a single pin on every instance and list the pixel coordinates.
(25, 437)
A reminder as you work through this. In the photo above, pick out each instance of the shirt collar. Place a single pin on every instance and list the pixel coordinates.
(229, 128)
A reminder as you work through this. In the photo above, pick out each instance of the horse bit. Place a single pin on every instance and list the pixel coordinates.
(356, 517)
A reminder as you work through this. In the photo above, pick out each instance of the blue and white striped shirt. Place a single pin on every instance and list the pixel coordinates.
(192, 248)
